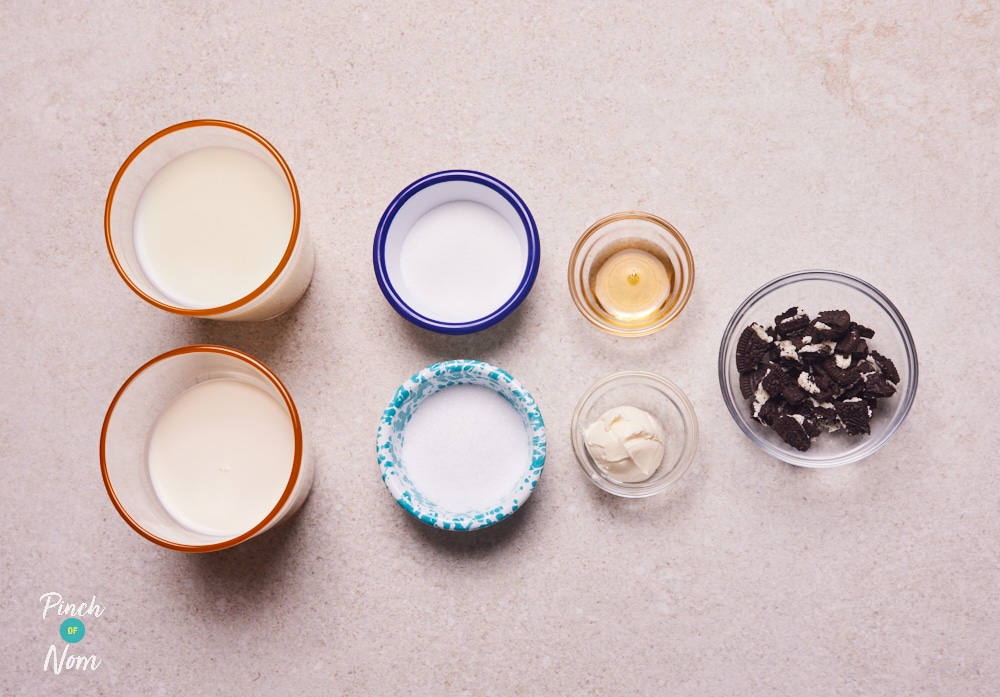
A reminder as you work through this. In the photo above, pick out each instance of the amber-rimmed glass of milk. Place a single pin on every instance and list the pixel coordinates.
(203, 219)
(202, 449)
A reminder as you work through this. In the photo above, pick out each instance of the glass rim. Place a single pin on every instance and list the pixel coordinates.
(293, 477)
(292, 240)
(615, 328)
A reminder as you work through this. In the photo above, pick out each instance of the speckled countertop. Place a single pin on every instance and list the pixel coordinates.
(776, 136)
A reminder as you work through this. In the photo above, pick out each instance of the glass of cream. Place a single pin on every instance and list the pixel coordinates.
(202, 449)
(203, 219)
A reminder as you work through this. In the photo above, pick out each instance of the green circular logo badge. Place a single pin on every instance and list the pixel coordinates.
(71, 630)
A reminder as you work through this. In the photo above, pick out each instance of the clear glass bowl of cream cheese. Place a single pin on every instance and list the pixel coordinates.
(634, 434)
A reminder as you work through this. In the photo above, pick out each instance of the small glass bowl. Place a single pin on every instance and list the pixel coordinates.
(662, 399)
(637, 231)
(815, 292)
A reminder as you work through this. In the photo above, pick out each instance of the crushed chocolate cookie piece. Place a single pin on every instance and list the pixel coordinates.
(853, 392)
(792, 432)
(811, 427)
(808, 383)
(878, 387)
(812, 353)
(804, 415)
(817, 385)
(774, 380)
(793, 394)
(855, 414)
(845, 376)
(791, 322)
(751, 348)
(788, 349)
(778, 382)
(751, 379)
(852, 344)
(824, 411)
(887, 366)
(825, 384)
(866, 368)
(831, 324)
(768, 412)
(863, 331)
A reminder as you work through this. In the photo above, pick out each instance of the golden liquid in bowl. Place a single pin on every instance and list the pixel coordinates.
(633, 284)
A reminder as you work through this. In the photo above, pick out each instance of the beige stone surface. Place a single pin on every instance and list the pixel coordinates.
(777, 136)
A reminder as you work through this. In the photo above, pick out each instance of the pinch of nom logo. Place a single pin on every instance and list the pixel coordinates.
(71, 631)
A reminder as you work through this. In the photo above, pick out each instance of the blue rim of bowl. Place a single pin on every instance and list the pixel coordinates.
(837, 277)
(512, 303)
(421, 386)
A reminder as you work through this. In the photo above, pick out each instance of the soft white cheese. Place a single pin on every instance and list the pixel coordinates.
(626, 443)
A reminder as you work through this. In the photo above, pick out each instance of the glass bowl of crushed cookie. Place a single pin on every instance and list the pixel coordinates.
(634, 434)
(631, 273)
(818, 368)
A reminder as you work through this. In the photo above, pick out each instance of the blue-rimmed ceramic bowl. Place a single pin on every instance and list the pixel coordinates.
(510, 495)
(456, 252)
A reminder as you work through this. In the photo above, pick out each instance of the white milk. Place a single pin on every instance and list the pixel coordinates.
(461, 261)
(465, 448)
(212, 225)
(220, 456)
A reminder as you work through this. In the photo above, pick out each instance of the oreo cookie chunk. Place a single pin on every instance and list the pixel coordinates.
(750, 380)
(816, 352)
(778, 383)
(863, 331)
(855, 415)
(818, 385)
(753, 345)
(791, 322)
(768, 412)
(825, 413)
(852, 344)
(792, 431)
(831, 325)
(842, 370)
(887, 367)
(877, 387)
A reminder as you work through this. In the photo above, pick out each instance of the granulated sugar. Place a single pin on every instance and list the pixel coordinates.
(465, 448)
(460, 261)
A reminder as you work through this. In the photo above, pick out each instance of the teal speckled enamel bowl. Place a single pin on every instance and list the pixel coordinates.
(512, 487)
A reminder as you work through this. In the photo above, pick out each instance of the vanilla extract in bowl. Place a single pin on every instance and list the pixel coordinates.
(633, 282)
(631, 273)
